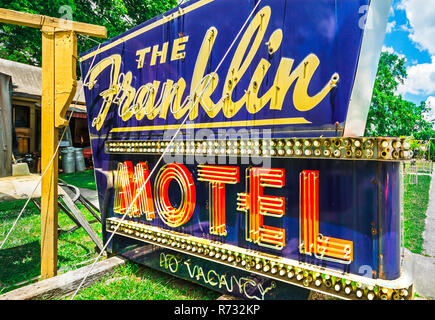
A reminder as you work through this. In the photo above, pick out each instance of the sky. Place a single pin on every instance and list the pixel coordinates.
(411, 34)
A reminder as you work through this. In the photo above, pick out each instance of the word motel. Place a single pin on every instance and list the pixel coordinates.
(135, 197)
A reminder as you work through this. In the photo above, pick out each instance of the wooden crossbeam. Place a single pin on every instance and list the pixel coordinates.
(38, 21)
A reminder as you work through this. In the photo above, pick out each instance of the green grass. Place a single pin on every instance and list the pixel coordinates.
(134, 282)
(83, 179)
(416, 199)
(20, 257)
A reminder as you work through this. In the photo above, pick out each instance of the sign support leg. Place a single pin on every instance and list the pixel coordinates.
(49, 194)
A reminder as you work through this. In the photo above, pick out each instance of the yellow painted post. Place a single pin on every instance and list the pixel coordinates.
(59, 54)
(59, 58)
(49, 134)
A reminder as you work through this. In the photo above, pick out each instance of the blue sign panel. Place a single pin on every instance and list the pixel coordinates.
(288, 66)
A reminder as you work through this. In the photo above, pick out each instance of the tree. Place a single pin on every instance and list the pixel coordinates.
(390, 114)
(23, 44)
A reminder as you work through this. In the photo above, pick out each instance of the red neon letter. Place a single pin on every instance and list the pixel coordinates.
(311, 241)
(145, 199)
(126, 186)
(256, 205)
(169, 215)
(218, 176)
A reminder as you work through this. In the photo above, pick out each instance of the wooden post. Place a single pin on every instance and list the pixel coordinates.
(59, 58)
(49, 134)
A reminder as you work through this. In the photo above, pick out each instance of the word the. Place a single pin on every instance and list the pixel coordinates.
(177, 52)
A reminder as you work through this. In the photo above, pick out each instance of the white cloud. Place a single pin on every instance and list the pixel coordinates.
(388, 49)
(421, 79)
(391, 50)
(430, 102)
(390, 26)
(421, 16)
(406, 28)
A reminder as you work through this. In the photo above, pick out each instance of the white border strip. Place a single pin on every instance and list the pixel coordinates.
(373, 40)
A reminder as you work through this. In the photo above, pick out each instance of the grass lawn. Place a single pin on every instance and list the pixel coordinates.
(416, 199)
(83, 179)
(134, 282)
(20, 257)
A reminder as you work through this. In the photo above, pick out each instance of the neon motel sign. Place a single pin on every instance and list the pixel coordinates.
(301, 70)
(254, 202)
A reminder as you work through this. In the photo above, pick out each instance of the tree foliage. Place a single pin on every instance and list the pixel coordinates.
(390, 114)
(23, 44)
